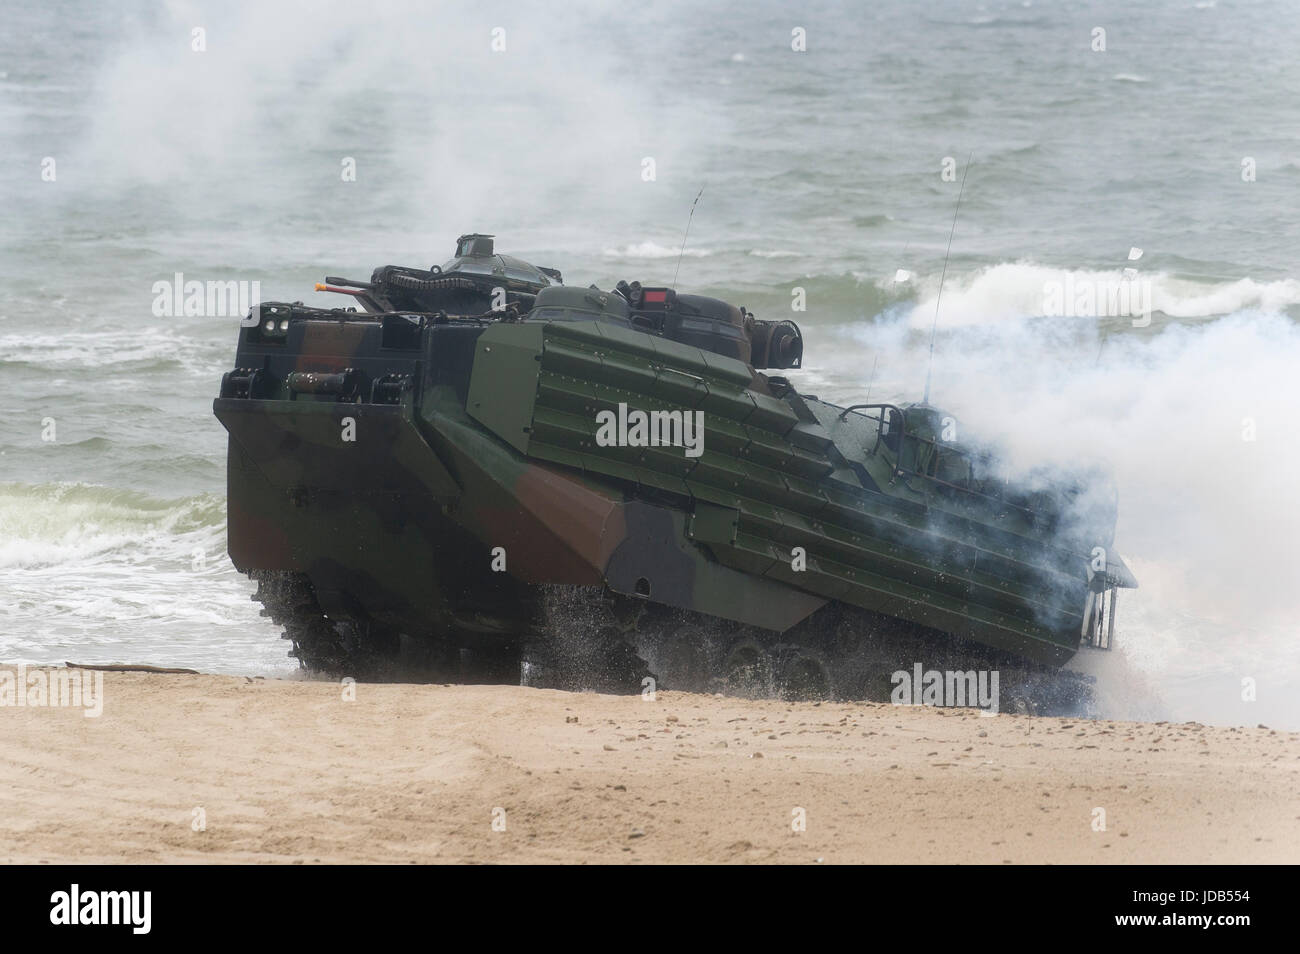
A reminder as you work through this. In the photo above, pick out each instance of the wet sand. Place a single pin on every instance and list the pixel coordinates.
(291, 771)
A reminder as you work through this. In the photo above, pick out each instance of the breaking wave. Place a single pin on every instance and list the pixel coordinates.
(1020, 289)
(96, 574)
(654, 250)
(44, 525)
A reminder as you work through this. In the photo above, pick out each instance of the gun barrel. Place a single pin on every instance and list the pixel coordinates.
(341, 291)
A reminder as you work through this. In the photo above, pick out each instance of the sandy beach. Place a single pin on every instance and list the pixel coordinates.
(205, 769)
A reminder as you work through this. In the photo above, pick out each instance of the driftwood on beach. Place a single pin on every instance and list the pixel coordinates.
(140, 667)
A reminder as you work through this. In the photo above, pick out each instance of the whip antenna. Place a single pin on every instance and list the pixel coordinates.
(686, 233)
(938, 298)
(871, 380)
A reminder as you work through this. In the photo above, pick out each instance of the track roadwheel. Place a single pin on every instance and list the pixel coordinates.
(681, 660)
(345, 647)
(804, 677)
(486, 665)
(603, 662)
(748, 670)
(616, 667)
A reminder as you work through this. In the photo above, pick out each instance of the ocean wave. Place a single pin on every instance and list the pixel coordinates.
(44, 525)
(654, 250)
(1014, 290)
(143, 350)
(99, 574)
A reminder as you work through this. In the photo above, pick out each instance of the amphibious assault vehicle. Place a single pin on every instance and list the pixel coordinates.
(478, 469)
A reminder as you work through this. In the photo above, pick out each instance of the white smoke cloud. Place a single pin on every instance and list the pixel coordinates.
(1195, 422)
(448, 134)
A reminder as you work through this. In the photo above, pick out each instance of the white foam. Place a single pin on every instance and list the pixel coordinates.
(102, 575)
(650, 249)
(1013, 290)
